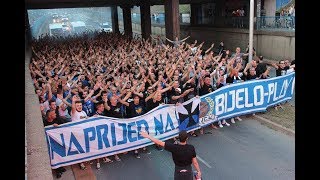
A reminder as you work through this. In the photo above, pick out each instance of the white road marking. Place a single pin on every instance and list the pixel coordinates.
(203, 161)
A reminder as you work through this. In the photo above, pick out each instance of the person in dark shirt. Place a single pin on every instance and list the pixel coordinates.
(114, 106)
(183, 156)
(206, 86)
(136, 108)
(100, 111)
(261, 67)
(281, 69)
(252, 74)
(233, 77)
(52, 119)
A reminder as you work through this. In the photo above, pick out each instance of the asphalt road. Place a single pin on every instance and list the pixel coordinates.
(245, 150)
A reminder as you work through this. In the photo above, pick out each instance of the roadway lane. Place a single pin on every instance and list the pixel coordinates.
(246, 150)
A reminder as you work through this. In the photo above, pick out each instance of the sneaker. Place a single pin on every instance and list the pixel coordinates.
(90, 162)
(238, 118)
(98, 165)
(213, 126)
(232, 120)
(137, 155)
(59, 175)
(220, 125)
(161, 149)
(116, 157)
(146, 150)
(107, 160)
(227, 124)
(82, 166)
(253, 114)
(194, 134)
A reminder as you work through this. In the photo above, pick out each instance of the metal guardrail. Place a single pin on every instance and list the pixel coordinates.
(276, 22)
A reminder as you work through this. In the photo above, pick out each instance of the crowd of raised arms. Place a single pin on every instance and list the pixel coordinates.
(112, 75)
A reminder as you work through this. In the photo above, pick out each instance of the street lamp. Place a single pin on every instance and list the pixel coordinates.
(251, 29)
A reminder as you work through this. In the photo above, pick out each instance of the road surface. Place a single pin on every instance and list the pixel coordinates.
(245, 150)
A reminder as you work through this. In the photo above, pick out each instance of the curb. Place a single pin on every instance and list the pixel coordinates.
(275, 125)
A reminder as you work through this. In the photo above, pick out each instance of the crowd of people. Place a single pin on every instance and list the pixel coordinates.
(110, 74)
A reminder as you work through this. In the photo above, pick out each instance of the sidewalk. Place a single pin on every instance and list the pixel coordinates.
(274, 125)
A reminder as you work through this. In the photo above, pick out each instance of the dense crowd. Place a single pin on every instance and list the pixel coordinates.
(108, 74)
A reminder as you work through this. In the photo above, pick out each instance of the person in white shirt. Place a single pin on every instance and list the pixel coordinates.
(77, 114)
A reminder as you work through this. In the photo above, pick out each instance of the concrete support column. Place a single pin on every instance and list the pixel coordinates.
(194, 14)
(114, 18)
(127, 23)
(171, 10)
(145, 19)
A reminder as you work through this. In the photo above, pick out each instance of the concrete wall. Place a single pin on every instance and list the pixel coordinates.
(38, 163)
(270, 7)
(271, 45)
(155, 29)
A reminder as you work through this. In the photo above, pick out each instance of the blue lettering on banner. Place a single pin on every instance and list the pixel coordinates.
(139, 127)
(73, 140)
(169, 123)
(158, 125)
(56, 147)
(113, 135)
(250, 96)
(103, 137)
(131, 131)
(87, 139)
(124, 133)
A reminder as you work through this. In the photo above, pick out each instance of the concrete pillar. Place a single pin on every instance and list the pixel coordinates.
(114, 18)
(193, 18)
(145, 19)
(126, 10)
(171, 10)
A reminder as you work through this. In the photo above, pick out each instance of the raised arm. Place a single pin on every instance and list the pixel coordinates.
(169, 40)
(73, 105)
(124, 100)
(156, 141)
(209, 48)
(184, 39)
(166, 89)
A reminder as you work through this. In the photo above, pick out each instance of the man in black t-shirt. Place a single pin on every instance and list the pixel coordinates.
(206, 86)
(52, 119)
(136, 108)
(183, 156)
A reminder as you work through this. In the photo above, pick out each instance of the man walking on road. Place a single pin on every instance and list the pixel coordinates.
(183, 156)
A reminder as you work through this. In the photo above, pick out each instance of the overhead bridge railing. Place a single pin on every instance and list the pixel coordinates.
(276, 22)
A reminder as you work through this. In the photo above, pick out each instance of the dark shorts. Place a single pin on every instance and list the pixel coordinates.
(183, 173)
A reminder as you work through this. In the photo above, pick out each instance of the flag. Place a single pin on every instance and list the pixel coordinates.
(188, 113)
